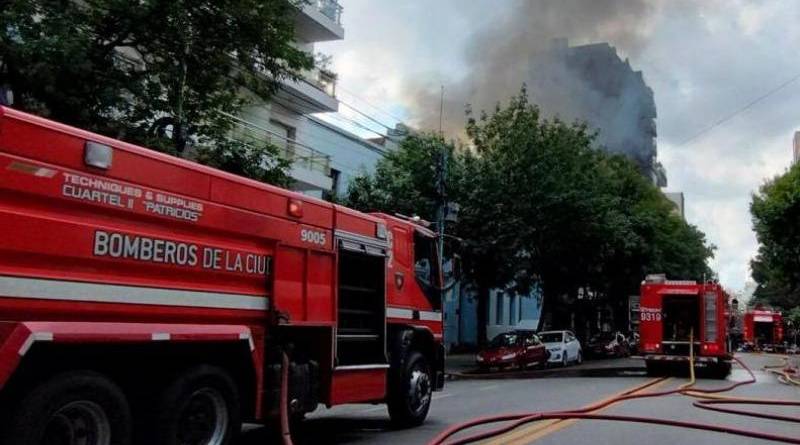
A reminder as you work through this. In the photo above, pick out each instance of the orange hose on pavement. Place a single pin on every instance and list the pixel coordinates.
(710, 399)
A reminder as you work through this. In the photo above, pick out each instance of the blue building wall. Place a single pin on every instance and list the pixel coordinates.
(506, 311)
(350, 154)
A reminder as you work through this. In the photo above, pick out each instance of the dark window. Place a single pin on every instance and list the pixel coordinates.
(335, 181)
(499, 300)
(426, 268)
(504, 340)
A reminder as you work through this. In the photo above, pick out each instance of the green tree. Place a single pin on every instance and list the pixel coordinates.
(775, 210)
(162, 73)
(540, 204)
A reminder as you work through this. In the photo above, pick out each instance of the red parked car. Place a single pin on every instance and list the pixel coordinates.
(515, 349)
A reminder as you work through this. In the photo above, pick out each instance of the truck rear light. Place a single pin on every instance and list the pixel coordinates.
(295, 208)
(711, 347)
(652, 347)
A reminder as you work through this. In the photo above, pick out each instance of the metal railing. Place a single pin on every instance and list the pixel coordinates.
(330, 9)
(322, 79)
(297, 153)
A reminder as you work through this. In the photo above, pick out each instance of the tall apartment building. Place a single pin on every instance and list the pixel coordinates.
(594, 84)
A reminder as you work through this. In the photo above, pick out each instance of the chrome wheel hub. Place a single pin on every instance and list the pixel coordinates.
(82, 422)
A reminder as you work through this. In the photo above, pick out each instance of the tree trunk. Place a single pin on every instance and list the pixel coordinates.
(483, 313)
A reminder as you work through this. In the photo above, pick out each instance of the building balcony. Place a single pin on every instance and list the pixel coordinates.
(310, 169)
(319, 21)
(314, 91)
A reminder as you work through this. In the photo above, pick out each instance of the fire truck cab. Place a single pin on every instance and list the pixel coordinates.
(677, 314)
(147, 297)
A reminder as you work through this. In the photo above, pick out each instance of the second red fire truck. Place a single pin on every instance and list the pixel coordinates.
(763, 328)
(678, 315)
(150, 299)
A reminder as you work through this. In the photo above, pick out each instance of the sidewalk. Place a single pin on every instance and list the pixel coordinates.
(462, 366)
(459, 363)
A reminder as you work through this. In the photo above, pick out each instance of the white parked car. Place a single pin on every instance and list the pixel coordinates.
(564, 347)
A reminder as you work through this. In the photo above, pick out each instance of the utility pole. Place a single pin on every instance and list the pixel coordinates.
(441, 179)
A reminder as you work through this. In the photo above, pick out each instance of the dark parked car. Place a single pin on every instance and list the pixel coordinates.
(608, 344)
(517, 349)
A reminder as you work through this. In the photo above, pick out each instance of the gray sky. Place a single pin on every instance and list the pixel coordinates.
(704, 60)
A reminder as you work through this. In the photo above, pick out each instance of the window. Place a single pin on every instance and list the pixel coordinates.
(512, 309)
(426, 268)
(336, 179)
(499, 299)
(711, 316)
(531, 340)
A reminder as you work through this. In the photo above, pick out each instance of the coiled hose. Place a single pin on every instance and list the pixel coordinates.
(710, 399)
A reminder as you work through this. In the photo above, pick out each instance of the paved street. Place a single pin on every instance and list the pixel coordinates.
(465, 399)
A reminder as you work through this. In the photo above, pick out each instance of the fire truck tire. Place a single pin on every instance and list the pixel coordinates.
(720, 370)
(410, 399)
(655, 368)
(76, 401)
(199, 406)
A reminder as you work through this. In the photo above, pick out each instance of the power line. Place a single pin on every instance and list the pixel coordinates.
(741, 110)
(364, 114)
(371, 105)
(340, 115)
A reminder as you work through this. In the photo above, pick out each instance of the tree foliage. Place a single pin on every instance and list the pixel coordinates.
(775, 210)
(162, 73)
(540, 204)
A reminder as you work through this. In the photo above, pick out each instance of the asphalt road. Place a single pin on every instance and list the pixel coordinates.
(465, 399)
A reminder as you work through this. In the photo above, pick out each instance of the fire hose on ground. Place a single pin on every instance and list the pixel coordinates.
(709, 399)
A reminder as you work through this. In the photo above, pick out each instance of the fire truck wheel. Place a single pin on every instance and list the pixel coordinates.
(410, 400)
(73, 407)
(720, 370)
(655, 368)
(199, 407)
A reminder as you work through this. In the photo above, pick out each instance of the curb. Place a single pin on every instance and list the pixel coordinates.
(608, 371)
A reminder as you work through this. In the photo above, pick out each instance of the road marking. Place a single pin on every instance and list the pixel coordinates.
(527, 435)
(487, 388)
(441, 395)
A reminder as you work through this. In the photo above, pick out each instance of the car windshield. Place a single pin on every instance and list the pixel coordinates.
(551, 337)
(504, 340)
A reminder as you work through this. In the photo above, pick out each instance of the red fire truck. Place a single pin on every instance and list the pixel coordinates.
(763, 328)
(673, 312)
(148, 298)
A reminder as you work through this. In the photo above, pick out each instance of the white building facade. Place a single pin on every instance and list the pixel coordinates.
(324, 157)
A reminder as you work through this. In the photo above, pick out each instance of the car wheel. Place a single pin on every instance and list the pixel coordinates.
(564, 360)
(75, 407)
(410, 401)
(580, 358)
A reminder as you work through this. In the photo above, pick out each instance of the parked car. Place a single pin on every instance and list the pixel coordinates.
(563, 346)
(608, 344)
(515, 349)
